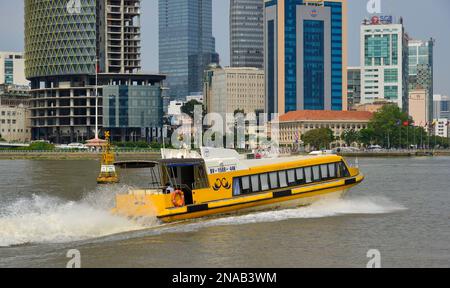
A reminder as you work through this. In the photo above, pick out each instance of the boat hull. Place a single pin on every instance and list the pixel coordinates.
(248, 206)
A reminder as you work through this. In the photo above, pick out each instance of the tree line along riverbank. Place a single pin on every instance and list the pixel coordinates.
(154, 155)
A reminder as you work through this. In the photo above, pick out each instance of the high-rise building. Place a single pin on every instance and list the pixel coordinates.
(384, 61)
(186, 44)
(421, 70)
(441, 108)
(231, 89)
(353, 86)
(247, 33)
(418, 107)
(12, 69)
(120, 35)
(305, 55)
(62, 45)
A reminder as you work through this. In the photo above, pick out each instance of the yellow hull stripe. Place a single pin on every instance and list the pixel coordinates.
(229, 205)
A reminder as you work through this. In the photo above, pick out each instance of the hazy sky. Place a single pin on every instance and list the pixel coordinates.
(423, 19)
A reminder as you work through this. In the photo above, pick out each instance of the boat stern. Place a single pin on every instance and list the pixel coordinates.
(141, 203)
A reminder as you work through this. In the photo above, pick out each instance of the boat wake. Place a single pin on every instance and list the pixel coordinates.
(321, 209)
(44, 219)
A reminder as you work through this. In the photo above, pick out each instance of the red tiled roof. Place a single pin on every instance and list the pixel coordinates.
(313, 115)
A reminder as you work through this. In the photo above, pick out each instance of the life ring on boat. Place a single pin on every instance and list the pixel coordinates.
(178, 198)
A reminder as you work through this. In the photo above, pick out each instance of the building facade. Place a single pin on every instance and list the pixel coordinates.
(14, 113)
(371, 107)
(12, 69)
(295, 124)
(418, 107)
(231, 89)
(441, 107)
(442, 128)
(305, 55)
(186, 44)
(63, 45)
(133, 112)
(15, 123)
(421, 70)
(353, 87)
(384, 61)
(120, 42)
(63, 108)
(247, 33)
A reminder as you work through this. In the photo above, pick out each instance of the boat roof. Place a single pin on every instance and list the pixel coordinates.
(253, 163)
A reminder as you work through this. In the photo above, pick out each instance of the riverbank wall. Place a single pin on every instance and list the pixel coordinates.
(154, 155)
(43, 155)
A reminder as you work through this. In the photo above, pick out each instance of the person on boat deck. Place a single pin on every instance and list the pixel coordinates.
(169, 188)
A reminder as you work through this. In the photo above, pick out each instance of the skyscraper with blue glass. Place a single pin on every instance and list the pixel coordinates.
(186, 44)
(305, 55)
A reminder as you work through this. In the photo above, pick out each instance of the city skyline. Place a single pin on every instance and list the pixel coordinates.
(11, 28)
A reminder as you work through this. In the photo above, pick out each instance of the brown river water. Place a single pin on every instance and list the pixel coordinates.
(50, 207)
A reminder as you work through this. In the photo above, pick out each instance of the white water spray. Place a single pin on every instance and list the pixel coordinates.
(43, 219)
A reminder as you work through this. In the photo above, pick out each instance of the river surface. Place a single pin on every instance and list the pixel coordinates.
(402, 210)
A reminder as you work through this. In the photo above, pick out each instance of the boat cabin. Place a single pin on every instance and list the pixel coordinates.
(168, 175)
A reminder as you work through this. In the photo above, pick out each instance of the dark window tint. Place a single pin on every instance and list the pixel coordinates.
(316, 173)
(255, 183)
(324, 171)
(291, 177)
(342, 170)
(245, 184)
(264, 182)
(283, 179)
(273, 180)
(332, 170)
(308, 175)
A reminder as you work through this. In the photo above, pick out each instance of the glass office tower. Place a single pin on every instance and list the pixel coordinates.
(186, 44)
(306, 55)
(247, 33)
(421, 70)
(384, 60)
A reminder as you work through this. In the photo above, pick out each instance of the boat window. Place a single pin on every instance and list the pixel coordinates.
(273, 180)
(236, 187)
(245, 184)
(283, 179)
(300, 176)
(316, 173)
(255, 183)
(264, 182)
(332, 170)
(342, 170)
(324, 171)
(308, 175)
(291, 177)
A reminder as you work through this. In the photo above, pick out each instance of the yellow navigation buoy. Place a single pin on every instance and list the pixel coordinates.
(108, 174)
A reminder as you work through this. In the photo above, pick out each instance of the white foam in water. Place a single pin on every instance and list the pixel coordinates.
(43, 219)
(320, 209)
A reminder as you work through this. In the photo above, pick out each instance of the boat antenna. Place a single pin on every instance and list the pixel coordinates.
(96, 97)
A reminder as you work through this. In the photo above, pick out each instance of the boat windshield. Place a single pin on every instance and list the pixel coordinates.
(155, 177)
(190, 174)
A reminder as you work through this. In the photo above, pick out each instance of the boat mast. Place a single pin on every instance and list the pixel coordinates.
(96, 98)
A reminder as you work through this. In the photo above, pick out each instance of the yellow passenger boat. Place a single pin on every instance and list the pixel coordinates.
(186, 185)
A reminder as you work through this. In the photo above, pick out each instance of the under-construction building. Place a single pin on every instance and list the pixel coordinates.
(63, 43)
(119, 36)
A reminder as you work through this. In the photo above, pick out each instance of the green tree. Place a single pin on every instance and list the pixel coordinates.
(319, 138)
(189, 108)
(366, 136)
(350, 136)
(388, 126)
